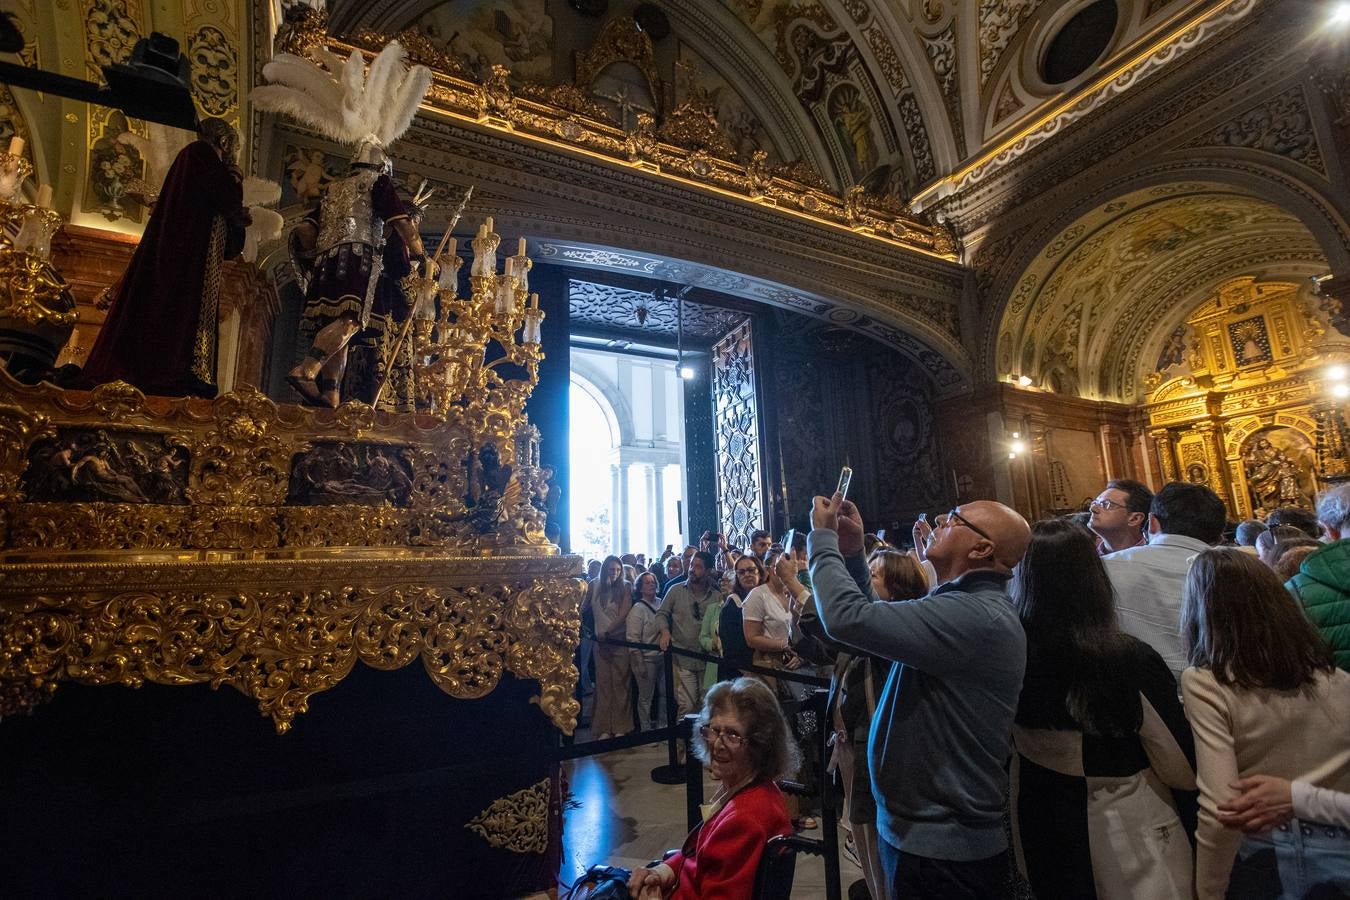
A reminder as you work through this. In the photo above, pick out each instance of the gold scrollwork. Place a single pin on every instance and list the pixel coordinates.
(517, 822)
(281, 646)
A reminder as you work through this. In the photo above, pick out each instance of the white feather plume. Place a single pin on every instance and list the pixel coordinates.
(265, 228)
(339, 99)
(260, 191)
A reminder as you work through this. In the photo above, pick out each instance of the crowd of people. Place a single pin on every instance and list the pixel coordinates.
(1142, 700)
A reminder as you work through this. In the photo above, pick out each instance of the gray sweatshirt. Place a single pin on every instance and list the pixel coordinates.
(942, 732)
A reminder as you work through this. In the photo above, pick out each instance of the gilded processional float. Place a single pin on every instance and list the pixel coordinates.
(174, 543)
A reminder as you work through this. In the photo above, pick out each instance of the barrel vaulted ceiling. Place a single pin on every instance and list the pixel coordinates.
(892, 94)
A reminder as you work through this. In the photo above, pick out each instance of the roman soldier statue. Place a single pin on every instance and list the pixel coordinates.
(344, 238)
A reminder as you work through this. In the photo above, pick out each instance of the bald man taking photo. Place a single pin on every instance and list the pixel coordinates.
(941, 734)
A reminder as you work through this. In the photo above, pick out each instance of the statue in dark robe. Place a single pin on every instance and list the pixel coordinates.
(160, 334)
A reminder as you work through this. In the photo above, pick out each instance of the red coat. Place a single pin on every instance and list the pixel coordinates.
(728, 847)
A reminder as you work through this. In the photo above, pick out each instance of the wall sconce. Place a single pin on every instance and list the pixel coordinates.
(1017, 446)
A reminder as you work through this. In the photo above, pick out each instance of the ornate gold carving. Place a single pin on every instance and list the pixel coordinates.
(282, 645)
(621, 40)
(517, 822)
(564, 114)
(304, 26)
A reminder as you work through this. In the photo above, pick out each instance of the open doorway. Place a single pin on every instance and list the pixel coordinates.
(626, 448)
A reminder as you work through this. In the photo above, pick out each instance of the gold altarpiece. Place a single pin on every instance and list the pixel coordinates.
(1250, 413)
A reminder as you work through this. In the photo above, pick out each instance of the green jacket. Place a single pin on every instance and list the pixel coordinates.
(1322, 585)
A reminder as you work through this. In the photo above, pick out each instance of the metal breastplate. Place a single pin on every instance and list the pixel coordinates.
(347, 216)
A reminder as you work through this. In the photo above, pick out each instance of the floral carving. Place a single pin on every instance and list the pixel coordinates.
(215, 70)
(110, 32)
(1000, 21)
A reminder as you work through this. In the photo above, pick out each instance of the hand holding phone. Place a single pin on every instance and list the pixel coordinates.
(845, 478)
(922, 532)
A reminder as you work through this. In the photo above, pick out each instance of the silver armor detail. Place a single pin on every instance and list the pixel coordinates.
(346, 215)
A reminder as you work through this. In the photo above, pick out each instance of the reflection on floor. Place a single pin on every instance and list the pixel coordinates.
(617, 815)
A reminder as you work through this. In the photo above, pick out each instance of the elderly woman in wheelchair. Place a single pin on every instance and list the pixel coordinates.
(742, 736)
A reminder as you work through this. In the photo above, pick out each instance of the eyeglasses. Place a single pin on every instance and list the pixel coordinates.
(959, 519)
(732, 739)
(1105, 504)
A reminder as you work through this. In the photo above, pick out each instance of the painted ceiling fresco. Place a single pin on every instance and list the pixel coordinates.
(1112, 283)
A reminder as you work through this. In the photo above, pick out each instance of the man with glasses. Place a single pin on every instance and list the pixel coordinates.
(941, 734)
(1120, 515)
(682, 614)
(1184, 520)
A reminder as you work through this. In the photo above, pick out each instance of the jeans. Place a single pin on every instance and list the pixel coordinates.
(913, 877)
(1298, 861)
(649, 677)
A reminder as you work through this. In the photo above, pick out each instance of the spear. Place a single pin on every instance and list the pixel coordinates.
(417, 301)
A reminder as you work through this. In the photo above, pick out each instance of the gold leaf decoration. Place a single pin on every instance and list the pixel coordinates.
(517, 822)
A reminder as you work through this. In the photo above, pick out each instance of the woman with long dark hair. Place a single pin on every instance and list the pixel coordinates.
(1100, 737)
(611, 599)
(1265, 698)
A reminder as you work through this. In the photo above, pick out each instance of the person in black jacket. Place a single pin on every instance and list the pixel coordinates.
(736, 653)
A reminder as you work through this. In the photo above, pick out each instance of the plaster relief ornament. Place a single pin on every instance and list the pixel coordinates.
(341, 243)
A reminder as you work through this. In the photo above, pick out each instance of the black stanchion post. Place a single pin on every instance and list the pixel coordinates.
(693, 774)
(671, 772)
(829, 825)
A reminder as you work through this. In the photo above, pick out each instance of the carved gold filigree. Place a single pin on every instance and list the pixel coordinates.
(680, 145)
(281, 646)
(304, 26)
(238, 462)
(33, 295)
(621, 40)
(18, 431)
(517, 822)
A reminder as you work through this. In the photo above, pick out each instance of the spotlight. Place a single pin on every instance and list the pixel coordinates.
(1340, 14)
(1024, 380)
(1337, 373)
(1017, 447)
(1341, 390)
(687, 372)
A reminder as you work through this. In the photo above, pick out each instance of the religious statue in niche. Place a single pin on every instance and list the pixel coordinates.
(160, 334)
(1279, 466)
(92, 466)
(852, 122)
(1251, 343)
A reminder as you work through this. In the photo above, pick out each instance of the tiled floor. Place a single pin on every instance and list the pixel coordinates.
(619, 816)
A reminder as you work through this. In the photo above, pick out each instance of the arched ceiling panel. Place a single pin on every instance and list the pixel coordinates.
(1107, 285)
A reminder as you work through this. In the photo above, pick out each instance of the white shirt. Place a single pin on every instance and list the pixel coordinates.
(763, 605)
(1147, 581)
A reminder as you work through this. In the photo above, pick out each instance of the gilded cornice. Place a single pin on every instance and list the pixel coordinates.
(495, 106)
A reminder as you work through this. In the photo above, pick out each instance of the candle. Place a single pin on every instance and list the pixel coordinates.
(487, 226)
(16, 145)
(454, 243)
(45, 196)
(534, 301)
(521, 250)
